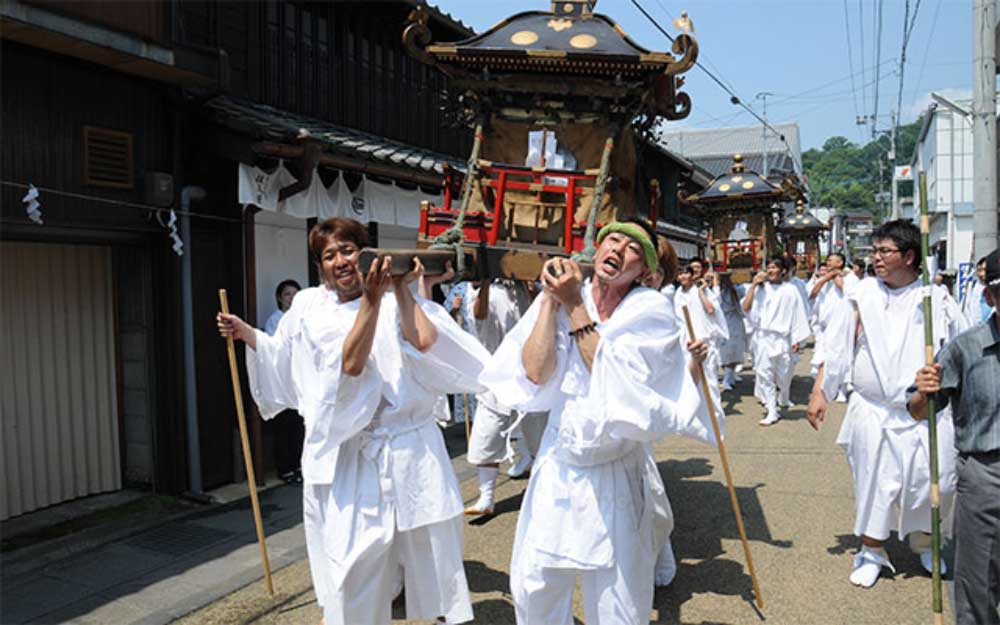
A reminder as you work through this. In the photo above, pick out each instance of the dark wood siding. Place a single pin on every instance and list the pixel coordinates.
(142, 18)
(43, 139)
(344, 62)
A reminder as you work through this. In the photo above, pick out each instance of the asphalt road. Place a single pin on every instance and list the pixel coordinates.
(794, 488)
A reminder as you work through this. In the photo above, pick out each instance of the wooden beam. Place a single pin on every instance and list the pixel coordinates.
(279, 150)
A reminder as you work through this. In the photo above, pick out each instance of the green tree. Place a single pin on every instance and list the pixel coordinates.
(845, 175)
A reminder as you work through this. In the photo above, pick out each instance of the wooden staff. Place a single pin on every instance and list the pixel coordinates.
(465, 405)
(247, 460)
(725, 468)
(931, 412)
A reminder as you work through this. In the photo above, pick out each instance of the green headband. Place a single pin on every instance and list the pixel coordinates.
(634, 231)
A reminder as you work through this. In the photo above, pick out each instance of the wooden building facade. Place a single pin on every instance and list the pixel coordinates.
(113, 373)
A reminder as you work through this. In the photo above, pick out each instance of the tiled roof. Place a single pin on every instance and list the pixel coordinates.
(718, 165)
(803, 221)
(699, 143)
(268, 123)
(444, 17)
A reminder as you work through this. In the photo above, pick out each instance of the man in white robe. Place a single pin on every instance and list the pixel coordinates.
(604, 356)
(881, 346)
(497, 431)
(706, 315)
(785, 388)
(365, 369)
(781, 325)
(830, 305)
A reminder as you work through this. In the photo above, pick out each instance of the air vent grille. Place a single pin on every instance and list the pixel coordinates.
(107, 158)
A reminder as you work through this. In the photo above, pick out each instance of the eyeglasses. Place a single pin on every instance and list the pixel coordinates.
(883, 251)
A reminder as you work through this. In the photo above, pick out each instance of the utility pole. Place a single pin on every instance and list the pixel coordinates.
(984, 127)
(894, 208)
(764, 95)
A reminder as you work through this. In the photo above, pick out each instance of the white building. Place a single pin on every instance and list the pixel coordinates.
(944, 153)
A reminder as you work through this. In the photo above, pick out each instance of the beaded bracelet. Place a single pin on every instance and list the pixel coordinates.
(587, 329)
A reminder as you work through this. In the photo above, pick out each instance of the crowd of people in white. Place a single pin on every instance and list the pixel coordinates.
(573, 378)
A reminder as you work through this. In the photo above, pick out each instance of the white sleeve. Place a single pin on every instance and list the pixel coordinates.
(645, 391)
(837, 352)
(453, 363)
(505, 376)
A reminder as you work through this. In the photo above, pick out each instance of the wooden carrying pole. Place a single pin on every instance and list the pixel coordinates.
(931, 412)
(468, 434)
(247, 460)
(725, 468)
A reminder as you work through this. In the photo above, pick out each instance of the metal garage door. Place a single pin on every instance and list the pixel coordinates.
(58, 400)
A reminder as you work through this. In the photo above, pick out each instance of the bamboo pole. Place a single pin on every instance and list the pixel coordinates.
(725, 468)
(245, 440)
(931, 412)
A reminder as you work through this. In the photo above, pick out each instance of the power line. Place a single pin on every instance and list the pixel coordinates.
(861, 27)
(878, 58)
(850, 58)
(735, 99)
(927, 49)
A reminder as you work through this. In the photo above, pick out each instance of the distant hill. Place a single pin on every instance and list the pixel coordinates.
(845, 175)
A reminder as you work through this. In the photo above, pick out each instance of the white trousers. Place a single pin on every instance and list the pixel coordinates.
(487, 443)
(891, 469)
(785, 386)
(618, 595)
(431, 559)
(770, 373)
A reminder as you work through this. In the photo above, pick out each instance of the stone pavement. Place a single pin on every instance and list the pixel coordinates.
(793, 484)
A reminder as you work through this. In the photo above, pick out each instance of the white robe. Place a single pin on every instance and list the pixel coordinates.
(780, 320)
(886, 448)
(710, 328)
(493, 422)
(374, 463)
(733, 348)
(595, 505)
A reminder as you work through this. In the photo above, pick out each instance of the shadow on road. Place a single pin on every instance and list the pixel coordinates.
(510, 505)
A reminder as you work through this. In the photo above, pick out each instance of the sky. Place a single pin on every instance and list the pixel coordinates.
(798, 51)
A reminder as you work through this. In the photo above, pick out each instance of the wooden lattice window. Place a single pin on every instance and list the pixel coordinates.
(107, 158)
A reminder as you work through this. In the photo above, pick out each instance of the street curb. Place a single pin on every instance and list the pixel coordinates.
(33, 557)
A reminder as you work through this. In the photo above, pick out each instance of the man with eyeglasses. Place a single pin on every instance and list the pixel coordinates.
(882, 349)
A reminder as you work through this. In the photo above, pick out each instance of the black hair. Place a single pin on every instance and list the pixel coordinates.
(904, 235)
(281, 287)
(857, 263)
(870, 270)
(780, 261)
(981, 261)
(840, 255)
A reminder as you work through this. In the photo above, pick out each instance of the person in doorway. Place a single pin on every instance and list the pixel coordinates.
(287, 427)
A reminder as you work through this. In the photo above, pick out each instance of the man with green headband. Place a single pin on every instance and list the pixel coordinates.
(605, 356)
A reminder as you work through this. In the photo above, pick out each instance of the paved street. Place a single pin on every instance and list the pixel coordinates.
(795, 490)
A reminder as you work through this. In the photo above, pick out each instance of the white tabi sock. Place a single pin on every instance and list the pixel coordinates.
(524, 458)
(487, 482)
